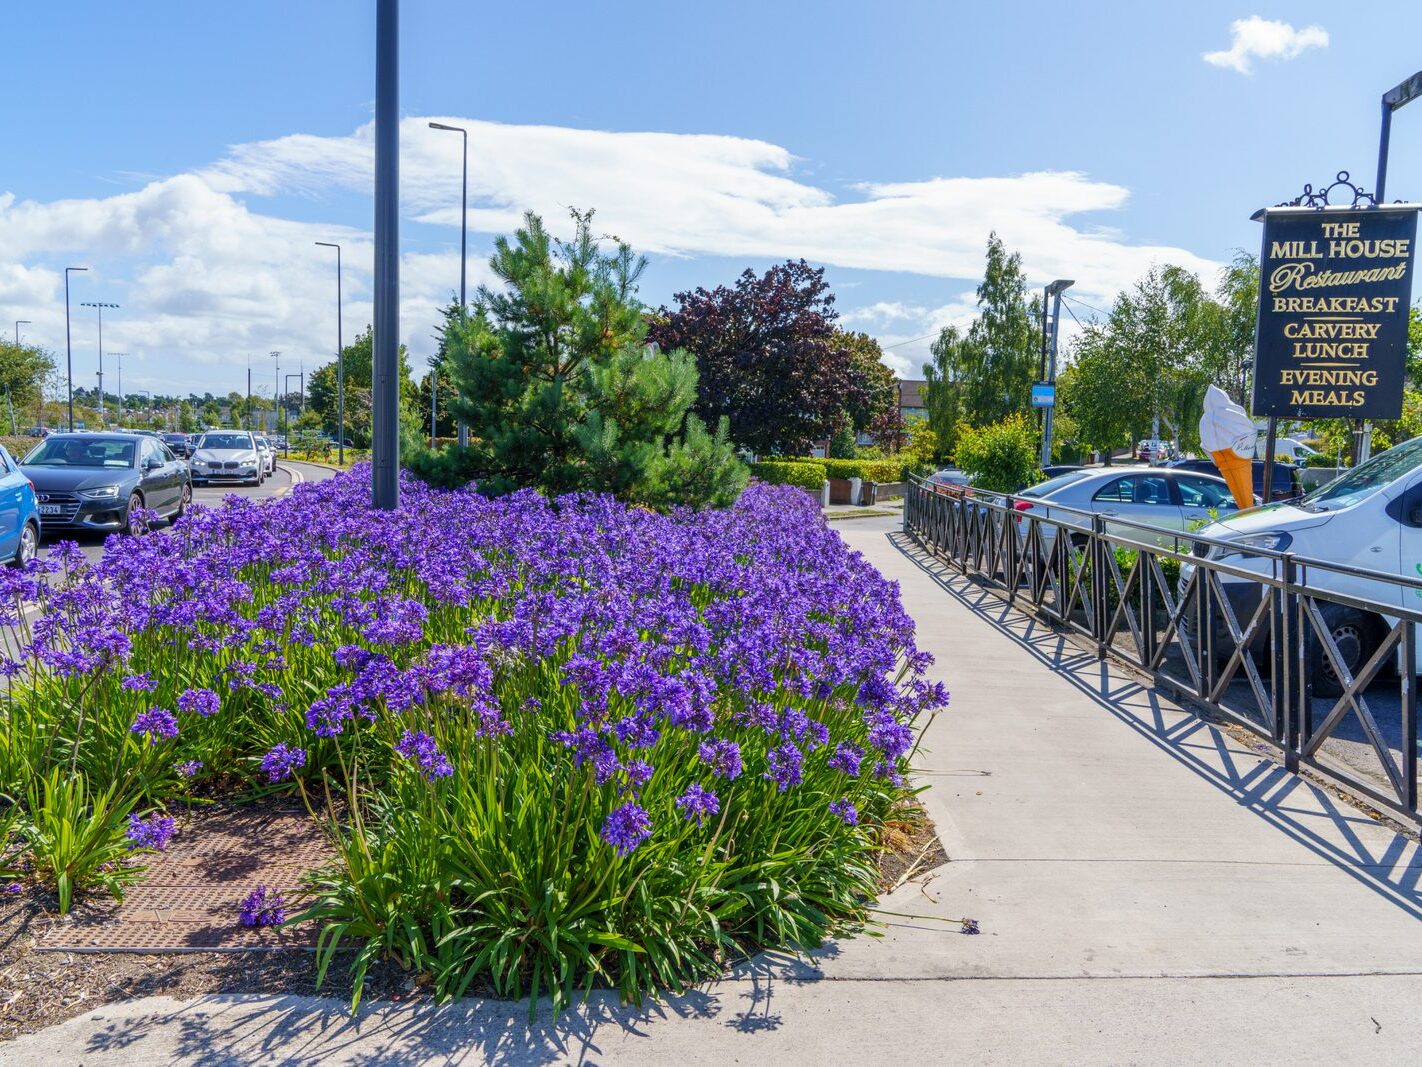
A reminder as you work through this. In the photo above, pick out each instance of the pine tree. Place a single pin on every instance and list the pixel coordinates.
(561, 390)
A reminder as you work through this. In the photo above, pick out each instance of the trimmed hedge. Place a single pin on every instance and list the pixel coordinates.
(869, 470)
(806, 474)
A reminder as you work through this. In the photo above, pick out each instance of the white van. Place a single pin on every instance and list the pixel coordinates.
(1369, 518)
(1286, 450)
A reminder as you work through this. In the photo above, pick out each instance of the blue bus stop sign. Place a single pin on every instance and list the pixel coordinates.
(1044, 395)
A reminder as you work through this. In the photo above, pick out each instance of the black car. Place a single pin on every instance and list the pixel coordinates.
(179, 443)
(99, 481)
(1286, 478)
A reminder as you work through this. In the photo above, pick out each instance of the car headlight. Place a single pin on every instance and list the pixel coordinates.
(103, 492)
(1271, 541)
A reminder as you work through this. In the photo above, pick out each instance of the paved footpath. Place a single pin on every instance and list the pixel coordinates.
(1148, 889)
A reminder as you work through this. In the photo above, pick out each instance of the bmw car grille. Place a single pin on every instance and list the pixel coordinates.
(68, 504)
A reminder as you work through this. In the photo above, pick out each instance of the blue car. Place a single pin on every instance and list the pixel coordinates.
(19, 513)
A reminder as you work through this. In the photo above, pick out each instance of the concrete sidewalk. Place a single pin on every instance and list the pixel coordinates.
(1148, 890)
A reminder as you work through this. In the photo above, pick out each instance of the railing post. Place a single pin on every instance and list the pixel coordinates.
(1280, 645)
(1302, 685)
(1009, 564)
(1410, 739)
(1146, 560)
(1097, 555)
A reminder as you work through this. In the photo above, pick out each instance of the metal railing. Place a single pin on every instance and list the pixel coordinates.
(1255, 636)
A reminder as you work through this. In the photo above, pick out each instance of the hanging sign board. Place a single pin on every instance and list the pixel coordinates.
(1044, 395)
(1334, 289)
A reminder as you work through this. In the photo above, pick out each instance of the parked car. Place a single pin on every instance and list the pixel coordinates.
(949, 480)
(37, 431)
(1370, 518)
(19, 513)
(1174, 501)
(179, 443)
(1286, 450)
(1286, 485)
(1153, 451)
(100, 481)
(268, 455)
(227, 456)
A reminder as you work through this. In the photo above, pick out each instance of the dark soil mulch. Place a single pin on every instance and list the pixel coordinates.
(39, 989)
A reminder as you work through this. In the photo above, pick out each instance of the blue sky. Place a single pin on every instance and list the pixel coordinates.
(191, 153)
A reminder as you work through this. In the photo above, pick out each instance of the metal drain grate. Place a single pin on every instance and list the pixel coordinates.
(189, 897)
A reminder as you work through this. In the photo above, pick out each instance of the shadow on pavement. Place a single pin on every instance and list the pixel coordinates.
(1385, 861)
(225, 1030)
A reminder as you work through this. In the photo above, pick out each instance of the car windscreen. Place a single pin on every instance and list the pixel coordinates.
(1051, 485)
(1366, 479)
(226, 440)
(77, 452)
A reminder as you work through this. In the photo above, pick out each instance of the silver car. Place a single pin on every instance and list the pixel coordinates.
(1173, 501)
(227, 456)
(268, 455)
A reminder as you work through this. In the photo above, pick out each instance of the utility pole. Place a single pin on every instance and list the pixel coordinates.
(99, 305)
(276, 393)
(247, 414)
(18, 324)
(385, 359)
(340, 363)
(119, 356)
(1053, 293)
(68, 345)
(462, 432)
(434, 408)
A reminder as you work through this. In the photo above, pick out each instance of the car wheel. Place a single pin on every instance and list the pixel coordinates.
(28, 546)
(131, 522)
(1354, 633)
(184, 499)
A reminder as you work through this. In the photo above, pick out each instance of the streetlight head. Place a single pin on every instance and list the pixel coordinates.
(1060, 285)
(442, 126)
(328, 244)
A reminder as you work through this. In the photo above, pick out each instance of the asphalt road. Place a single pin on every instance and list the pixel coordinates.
(288, 474)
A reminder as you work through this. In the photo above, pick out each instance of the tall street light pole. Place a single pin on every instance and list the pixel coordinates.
(276, 391)
(68, 345)
(1053, 292)
(385, 406)
(18, 324)
(340, 363)
(99, 305)
(1394, 98)
(118, 356)
(463, 430)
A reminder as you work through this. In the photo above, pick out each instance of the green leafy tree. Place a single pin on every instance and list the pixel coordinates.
(978, 377)
(24, 370)
(1002, 456)
(322, 392)
(187, 418)
(561, 390)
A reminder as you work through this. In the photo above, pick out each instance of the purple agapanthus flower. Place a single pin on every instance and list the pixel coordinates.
(262, 907)
(153, 832)
(786, 766)
(139, 683)
(188, 768)
(282, 761)
(698, 803)
(846, 758)
(156, 724)
(420, 749)
(639, 772)
(846, 811)
(723, 757)
(14, 889)
(626, 828)
(202, 702)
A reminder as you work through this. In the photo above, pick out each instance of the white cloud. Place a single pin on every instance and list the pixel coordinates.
(1259, 38)
(209, 273)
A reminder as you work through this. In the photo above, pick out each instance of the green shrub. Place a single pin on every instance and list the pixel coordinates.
(806, 474)
(76, 841)
(1002, 457)
(869, 470)
(1321, 459)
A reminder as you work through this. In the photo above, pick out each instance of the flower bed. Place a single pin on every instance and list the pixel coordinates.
(561, 744)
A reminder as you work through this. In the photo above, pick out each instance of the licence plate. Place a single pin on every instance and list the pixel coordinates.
(50, 509)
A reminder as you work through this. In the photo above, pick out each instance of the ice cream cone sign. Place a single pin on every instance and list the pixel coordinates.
(1227, 434)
